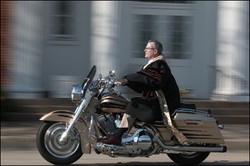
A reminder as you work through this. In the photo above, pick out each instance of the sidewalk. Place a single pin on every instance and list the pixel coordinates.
(22, 136)
(24, 110)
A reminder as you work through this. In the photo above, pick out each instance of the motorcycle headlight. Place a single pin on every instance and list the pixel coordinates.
(76, 93)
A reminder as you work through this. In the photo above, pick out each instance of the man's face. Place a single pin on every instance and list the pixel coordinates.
(150, 51)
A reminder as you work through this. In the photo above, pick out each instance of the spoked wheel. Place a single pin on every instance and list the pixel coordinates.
(191, 158)
(56, 151)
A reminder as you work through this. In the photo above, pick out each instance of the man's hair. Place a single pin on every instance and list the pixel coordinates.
(158, 45)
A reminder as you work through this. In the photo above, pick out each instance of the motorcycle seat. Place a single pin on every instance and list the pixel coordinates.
(189, 106)
(185, 108)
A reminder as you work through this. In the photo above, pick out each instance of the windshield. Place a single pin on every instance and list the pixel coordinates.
(88, 79)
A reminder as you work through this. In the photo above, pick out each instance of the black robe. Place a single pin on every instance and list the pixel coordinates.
(157, 75)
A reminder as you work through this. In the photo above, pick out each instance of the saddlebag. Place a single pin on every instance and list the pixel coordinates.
(199, 126)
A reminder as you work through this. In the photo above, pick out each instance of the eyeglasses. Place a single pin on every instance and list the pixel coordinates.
(148, 48)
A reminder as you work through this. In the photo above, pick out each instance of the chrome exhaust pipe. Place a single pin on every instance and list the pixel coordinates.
(184, 148)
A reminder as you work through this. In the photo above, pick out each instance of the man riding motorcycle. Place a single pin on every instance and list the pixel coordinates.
(153, 76)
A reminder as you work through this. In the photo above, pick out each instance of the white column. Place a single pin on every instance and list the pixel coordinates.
(26, 45)
(105, 21)
(232, 59)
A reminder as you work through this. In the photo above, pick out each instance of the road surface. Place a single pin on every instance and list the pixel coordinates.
(18, 148)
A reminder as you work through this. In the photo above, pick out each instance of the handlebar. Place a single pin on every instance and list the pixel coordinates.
(104, 84)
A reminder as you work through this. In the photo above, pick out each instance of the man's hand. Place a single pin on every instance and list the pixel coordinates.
(121, 82)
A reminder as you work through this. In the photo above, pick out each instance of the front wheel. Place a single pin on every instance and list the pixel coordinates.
(52, 149)
(192, 158)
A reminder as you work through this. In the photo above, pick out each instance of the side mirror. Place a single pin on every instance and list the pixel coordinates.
(111, 73)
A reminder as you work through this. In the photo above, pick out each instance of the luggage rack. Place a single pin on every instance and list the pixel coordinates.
(192, 111)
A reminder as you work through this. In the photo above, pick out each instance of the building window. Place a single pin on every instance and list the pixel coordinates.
(173, 29)
(143, 32)
(62, 26)
(181, 37)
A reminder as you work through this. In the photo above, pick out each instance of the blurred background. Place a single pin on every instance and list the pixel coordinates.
(48, 46)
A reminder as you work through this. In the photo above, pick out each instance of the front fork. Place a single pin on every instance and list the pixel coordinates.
(78, 112)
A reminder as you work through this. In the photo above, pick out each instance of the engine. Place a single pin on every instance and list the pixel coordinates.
(139, 144)
(108, 122)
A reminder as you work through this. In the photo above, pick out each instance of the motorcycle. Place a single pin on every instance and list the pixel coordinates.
(187, 136)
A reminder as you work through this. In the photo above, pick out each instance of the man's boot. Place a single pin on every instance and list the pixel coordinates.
(115, 138)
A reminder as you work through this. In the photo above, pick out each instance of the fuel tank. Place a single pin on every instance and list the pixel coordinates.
(113, 103)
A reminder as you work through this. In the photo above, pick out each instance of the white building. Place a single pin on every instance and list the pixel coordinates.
(55, 43)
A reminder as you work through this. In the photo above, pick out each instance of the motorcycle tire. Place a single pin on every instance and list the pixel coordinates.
(52, 150)
(189, 159)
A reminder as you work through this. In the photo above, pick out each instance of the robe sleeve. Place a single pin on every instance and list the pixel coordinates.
(150, 79)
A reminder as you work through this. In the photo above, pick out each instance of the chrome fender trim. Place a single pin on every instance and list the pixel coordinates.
(66, 116)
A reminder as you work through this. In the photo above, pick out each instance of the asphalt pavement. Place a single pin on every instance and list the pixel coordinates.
(22, 135)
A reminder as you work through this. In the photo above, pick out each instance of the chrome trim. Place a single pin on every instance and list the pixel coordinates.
(78, 112)
(57, 148)
(221, 126)
(183, 148)
(76, 93)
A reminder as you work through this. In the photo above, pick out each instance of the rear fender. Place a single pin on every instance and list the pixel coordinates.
(66, 116)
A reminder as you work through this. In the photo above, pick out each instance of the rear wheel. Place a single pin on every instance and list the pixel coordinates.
(191, 158)
(55, 151)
